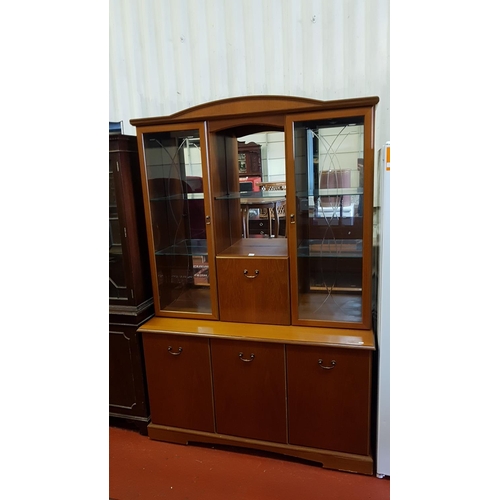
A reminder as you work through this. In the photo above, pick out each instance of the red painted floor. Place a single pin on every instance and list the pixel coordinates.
(140, 468)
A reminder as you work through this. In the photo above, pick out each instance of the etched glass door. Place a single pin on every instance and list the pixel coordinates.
(328, 171)
(175, 166)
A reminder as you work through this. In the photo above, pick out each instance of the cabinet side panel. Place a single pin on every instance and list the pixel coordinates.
(329, 404)
(179, 381)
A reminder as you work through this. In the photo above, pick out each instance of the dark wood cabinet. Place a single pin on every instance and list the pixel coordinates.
(130, 292)
(270, 330)
(249, 159)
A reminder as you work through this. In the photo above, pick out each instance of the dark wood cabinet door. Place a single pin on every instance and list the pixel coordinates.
(179, 381)
(127, 386)
(329, 403)
(249, 389)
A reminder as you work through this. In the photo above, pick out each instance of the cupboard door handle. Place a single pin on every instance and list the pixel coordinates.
(245, 272)
(252, 355)
(169, 349)
(333, 363)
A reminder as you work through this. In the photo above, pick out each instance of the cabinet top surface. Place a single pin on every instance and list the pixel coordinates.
(337, 337)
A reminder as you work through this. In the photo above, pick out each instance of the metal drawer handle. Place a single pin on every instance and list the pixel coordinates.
(252, 355)
(169, 349)
(333, 363)
(245, 272)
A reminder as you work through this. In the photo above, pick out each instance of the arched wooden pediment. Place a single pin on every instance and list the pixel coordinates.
(253, 105)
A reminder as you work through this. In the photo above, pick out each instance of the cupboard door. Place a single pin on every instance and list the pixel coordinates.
(254, 290)
(127, 387)
(179, 381)
(329, 398)
(249, 389)
(179, 219)
(331, 180)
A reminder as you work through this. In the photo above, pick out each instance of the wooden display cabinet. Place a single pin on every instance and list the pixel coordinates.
(130, 293)
(283, 319)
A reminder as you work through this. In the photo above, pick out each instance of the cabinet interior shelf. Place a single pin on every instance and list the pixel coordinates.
(252, 194)
(180, 196)
(330, 192)
(331, 248)
(186, 247)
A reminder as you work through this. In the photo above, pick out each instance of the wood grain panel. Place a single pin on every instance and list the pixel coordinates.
(265, 298)
(180, 386)
(339, 337)
(329, 408)
(249, 395)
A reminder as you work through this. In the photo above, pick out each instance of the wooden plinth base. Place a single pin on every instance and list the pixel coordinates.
(329, 459)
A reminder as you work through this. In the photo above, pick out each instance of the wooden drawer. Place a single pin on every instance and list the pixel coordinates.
(249, 389)
(254, 290)
(179, 381)
(329, 405)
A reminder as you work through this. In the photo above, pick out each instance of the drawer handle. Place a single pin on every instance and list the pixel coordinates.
(252, 355)
(169, 349)
(333, 363)
(245, 272)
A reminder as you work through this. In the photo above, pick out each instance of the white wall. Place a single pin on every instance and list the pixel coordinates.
(165, 56)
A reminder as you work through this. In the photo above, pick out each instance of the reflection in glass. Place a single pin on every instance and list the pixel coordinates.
(329, 198)
(117, 283)
(272, 178)
(175, 185)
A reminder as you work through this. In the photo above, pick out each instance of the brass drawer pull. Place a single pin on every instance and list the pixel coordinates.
(245, 272)
(333, 363)
(240, 355)
(169, 349)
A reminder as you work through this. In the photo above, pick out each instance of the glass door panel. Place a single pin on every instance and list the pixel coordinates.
(175, 180)
(328, 178)
(117, 279)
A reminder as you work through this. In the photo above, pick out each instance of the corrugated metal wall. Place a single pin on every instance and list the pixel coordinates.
(167, 55)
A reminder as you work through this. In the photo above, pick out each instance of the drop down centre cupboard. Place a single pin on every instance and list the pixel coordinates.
(262, 341)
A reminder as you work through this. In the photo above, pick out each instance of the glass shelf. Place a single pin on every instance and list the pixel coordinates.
(331, 248)
(186, 247)
(180, 196)
(331, 192)
(252, 194)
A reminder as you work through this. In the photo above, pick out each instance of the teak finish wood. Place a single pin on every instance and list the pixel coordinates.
(281, 399)
(329, 405)
(329, 459)
(333, 337)
(243, 107)
(179, 382)
(249, 389)
(254, 290)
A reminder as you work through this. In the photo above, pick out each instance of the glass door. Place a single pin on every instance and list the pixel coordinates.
(175, 170)
(331, 256)
(118, 290)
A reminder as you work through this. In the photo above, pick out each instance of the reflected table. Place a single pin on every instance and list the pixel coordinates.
(264, 200)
